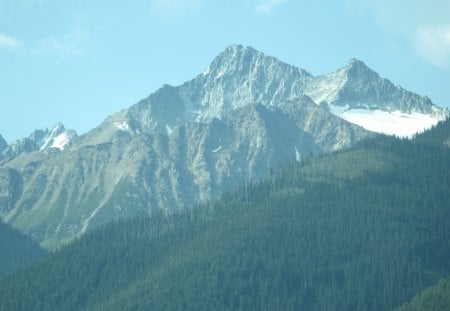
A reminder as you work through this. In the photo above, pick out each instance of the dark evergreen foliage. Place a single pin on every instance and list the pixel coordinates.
(440, 133)
(436, 298)
(16, 250)
(364, 229)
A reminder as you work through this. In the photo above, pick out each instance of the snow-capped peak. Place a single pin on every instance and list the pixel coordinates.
(359, 95)
(241, 76)
(58, 137)
(60, 141)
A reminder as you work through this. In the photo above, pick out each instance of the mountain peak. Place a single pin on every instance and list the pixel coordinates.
(356, 62)
(239, 48)
(239, 60)
(58, 137)
(58, 127)
(188, 143)
(358, 70)
(235, 54)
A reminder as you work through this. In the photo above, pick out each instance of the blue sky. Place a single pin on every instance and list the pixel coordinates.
(79, 61)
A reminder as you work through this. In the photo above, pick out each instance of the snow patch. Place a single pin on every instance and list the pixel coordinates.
(169, 130)
(60, 141)
(220, 74)
(123, 126)
(217, 149)
(207, 70)
(298, 156)
(391, 123)
(57, 138)
(44, 144)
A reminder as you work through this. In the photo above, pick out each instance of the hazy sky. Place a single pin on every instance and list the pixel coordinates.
(79, 61)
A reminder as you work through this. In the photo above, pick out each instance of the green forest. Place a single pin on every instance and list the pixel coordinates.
(436, 298)
(366, 228)
(16, 250)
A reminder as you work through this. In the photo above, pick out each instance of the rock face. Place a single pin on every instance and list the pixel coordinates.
(357, 86)
(3, 144)
(239, 76)
(58, 138)
(245, 114)
(357, 94)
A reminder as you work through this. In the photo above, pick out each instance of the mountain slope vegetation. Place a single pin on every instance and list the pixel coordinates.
(246, 113)
(435, 298)
(16, 250)
(363, 229)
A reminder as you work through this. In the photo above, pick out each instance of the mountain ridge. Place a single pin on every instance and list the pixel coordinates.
(57, 138)
(238, 119)
(139, 116)
(360, 229)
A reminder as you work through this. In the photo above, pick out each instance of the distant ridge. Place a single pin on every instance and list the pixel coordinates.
(245, 114)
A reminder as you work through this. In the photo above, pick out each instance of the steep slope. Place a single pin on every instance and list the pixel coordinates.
(359, 95)
(364, 229)
(237, 77)
(106, 177)
(234, 122)
(16, 250)
(243, 116)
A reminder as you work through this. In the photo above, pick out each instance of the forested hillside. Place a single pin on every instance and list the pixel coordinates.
(16, 250)
(439, 134)
(363, 229)
(435, 298)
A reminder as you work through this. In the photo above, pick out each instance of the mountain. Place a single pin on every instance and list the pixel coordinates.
(111, 173)
(16, 250)
(239, 76)
(357, 94)
(57, 138)
(361, 229)
(246, 114)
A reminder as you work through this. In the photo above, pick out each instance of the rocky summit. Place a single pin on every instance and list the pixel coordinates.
(245, 114)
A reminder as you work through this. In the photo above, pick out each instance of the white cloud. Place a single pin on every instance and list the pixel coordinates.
(173, 9)
(423, 23)
(267, 6)
(9, 42)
